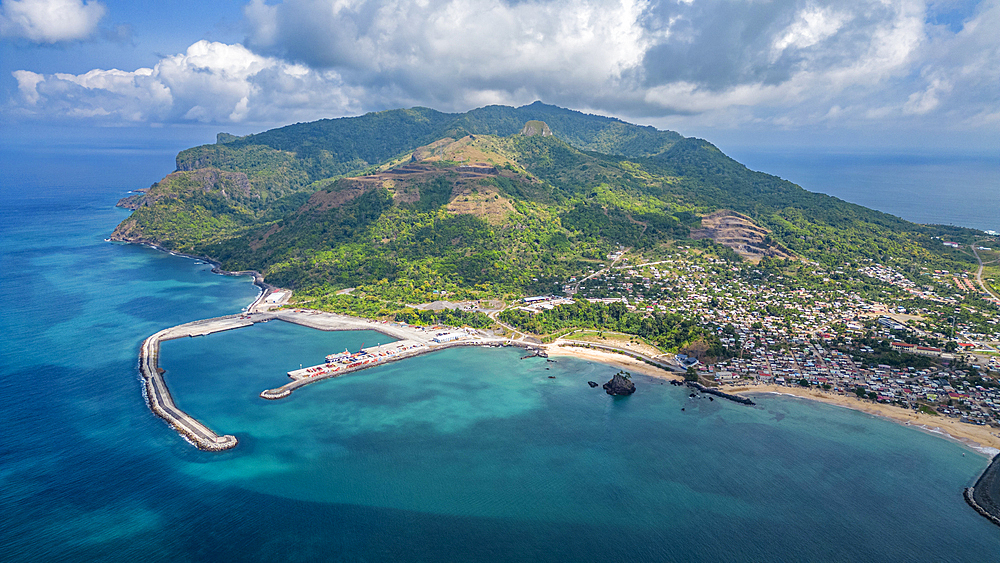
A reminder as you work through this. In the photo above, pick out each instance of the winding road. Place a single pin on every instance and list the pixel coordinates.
(979, 273)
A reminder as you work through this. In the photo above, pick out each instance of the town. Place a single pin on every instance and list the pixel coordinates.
(865, 330)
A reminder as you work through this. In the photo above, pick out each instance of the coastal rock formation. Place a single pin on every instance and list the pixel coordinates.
(620, 384)
(132, 202)
(717, 393)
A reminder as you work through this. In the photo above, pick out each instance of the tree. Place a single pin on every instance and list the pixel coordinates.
(691, 374)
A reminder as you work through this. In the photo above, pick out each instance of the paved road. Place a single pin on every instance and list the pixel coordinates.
(979, 273)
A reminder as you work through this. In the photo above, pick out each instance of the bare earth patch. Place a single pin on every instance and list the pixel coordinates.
(739, 232)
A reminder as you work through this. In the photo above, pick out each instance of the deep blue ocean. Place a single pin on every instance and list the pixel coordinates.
(462, 455)
(961, 189)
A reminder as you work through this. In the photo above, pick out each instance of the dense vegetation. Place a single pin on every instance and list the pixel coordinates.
(667, 331)
(281, 202)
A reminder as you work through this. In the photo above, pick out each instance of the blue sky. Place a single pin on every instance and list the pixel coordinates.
(826, 73)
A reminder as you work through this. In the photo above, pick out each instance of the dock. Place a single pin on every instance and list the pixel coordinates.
(411, 341)
(155, 388)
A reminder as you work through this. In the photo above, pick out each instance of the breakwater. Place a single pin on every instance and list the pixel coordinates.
(717, 393)
(984, 496)
(161, 403)
(158, 397)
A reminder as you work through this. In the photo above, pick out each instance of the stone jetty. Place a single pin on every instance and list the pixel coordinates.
(984, 496)
(412, 341)
(155, 389)
(717, 393)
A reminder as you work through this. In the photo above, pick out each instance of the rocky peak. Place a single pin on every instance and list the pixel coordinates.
(534, 127)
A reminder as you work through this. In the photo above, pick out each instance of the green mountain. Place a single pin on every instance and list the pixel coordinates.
(498, 201)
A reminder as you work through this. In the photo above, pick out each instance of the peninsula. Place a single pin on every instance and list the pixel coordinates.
(540, 225)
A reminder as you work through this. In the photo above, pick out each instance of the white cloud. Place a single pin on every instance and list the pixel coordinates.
(437, 49)
(813, 25)
(50, 21)
(789, 63)
(211, 82)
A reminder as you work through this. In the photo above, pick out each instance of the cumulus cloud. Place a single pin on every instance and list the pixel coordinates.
(793, 60)
(50, 21)
(446, 51)
(211, 82)
(722, 62)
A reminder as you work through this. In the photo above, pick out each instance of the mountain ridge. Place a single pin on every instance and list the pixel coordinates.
(405, 201)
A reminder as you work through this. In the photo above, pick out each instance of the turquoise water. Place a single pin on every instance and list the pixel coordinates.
(462, 455)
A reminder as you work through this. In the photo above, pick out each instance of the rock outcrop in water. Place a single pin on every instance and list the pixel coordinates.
(620, 384)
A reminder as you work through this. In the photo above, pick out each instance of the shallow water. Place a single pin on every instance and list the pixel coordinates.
(464, 454)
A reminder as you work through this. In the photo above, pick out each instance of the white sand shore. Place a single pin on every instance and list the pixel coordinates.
(619, 361)
(983, 439)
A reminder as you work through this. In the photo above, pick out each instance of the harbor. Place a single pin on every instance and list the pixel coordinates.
(409, 341)
(155, 388)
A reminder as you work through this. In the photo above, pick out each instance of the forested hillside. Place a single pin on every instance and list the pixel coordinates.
(407, 205)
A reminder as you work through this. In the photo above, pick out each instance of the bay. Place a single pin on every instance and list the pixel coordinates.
(459, 455)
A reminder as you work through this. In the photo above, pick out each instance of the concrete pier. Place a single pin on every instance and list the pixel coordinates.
(155, 389)
(412, 341)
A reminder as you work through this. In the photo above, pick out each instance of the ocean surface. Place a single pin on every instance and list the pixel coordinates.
(961, 189)
(462, 455)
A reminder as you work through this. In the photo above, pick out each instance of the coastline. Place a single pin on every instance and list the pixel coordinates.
(981, 439)
(984, 440)
(619, 361)
(258, 278)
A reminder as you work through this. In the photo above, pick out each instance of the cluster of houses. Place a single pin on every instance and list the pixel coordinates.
(784, 330)
(951, 392)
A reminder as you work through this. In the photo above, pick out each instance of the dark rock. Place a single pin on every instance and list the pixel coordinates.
(717, 393)
(592, 384)
(619, 385)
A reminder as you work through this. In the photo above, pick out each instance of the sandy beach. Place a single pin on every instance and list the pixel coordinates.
(619, 361)
(983, 439)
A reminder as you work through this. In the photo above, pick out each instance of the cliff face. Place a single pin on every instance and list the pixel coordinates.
(128, 231)
(535, 127)
(133, 201)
